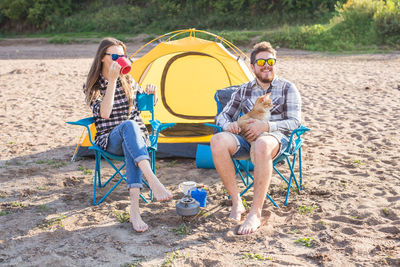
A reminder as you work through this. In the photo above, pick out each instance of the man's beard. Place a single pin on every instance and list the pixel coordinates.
(265, 80)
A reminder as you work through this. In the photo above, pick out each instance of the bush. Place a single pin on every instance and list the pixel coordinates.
(387, 22)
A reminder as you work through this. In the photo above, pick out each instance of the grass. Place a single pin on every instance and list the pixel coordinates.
(46, 224)
(172, 256)
(246, 206)
(306, 241)
(43, 207)
(133, 263)
(5, 212)
(84, 170)
(307, 209)
(42, 188)
(16, 204)
(172, 163)
(386, 211)
(123, 217)
(294, 231)
(182, 229)
(258, 257)
(54, 163)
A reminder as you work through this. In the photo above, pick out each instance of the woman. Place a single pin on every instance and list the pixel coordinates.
(120, 130)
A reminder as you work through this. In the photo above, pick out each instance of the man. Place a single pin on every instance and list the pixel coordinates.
(285, 117)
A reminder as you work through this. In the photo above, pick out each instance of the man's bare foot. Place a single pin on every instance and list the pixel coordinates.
(160, 192)
(250, 225)
(137, 223)
(237, 210)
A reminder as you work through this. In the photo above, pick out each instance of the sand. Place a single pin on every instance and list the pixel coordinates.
(349, 209)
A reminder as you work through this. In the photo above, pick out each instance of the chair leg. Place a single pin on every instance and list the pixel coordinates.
(300, 171)
(292, 176)
(248, 175)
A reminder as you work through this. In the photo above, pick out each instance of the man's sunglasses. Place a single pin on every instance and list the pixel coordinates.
(114, 56)
(270, 61)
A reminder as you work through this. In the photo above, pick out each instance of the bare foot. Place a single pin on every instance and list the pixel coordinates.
(137, 223)
(250, 225)
(237, 210)
(160, 192)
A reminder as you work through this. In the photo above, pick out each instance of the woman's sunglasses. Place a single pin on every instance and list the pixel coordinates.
(270, 61)
(114, 56)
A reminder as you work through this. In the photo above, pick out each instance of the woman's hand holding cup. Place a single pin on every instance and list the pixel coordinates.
(113, 71)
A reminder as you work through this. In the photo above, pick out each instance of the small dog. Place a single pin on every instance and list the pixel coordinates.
(260, 111)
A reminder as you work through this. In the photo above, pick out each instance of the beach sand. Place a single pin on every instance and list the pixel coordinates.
(349, 209)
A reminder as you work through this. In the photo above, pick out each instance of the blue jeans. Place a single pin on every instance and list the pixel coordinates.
(126, 139)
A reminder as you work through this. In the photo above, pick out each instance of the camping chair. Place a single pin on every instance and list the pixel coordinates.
(290, 155)
(145, 103)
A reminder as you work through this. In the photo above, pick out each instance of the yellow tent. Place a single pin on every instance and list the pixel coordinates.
(187, 73)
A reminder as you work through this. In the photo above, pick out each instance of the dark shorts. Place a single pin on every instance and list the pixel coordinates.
(243, 147)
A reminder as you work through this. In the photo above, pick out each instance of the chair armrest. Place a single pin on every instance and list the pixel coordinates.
(295, 136)
(86, 122)
(82, 122)
(218, 128)
(158, 127)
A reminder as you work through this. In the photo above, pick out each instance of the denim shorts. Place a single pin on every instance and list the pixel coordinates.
(243, 146)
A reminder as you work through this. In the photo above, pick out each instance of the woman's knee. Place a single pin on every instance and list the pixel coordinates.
(130, 126)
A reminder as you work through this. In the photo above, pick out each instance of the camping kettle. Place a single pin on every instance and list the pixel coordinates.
(187, 206)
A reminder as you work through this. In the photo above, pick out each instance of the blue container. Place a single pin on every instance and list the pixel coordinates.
(200, 195)
(204, 157)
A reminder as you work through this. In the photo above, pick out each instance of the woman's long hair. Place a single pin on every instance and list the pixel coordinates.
(92, 86)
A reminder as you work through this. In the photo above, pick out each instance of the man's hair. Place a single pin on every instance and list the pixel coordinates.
(260, 47)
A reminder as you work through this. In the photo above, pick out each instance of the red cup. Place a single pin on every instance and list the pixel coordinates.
(125, 65)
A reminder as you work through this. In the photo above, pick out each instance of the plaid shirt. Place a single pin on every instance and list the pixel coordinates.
(118, 114)
(285, 113)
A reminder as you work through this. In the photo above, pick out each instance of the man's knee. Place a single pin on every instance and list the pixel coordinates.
(266, 146)
(221, 141)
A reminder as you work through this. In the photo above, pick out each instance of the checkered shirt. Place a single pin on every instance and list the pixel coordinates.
(118, 114)
(285, 113)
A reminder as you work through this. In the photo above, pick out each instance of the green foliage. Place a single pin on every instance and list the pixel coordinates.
(306, 241)
(51, 222)
(331, 25)
(171, 257)
(252, 256)
(123, 217)
(387, 22)
(16, 204)
(182, 229)
(54, 163)
(43, 207)
(358, 25)
(158, 16)
(84, 170)
(307, 209)
(5, 212)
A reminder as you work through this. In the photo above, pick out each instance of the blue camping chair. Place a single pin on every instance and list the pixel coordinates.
(145, 103)
(290, 155)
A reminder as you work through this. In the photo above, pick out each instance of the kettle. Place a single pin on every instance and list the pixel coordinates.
(187, 206)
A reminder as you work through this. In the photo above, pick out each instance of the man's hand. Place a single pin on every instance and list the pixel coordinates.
(254, 128)
(233, 127)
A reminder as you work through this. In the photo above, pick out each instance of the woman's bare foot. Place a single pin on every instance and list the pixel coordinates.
(237, 210)
(159, 191)
(137, 223)
(250, 225)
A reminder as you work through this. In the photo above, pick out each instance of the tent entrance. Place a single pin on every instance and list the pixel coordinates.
(184, 78)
